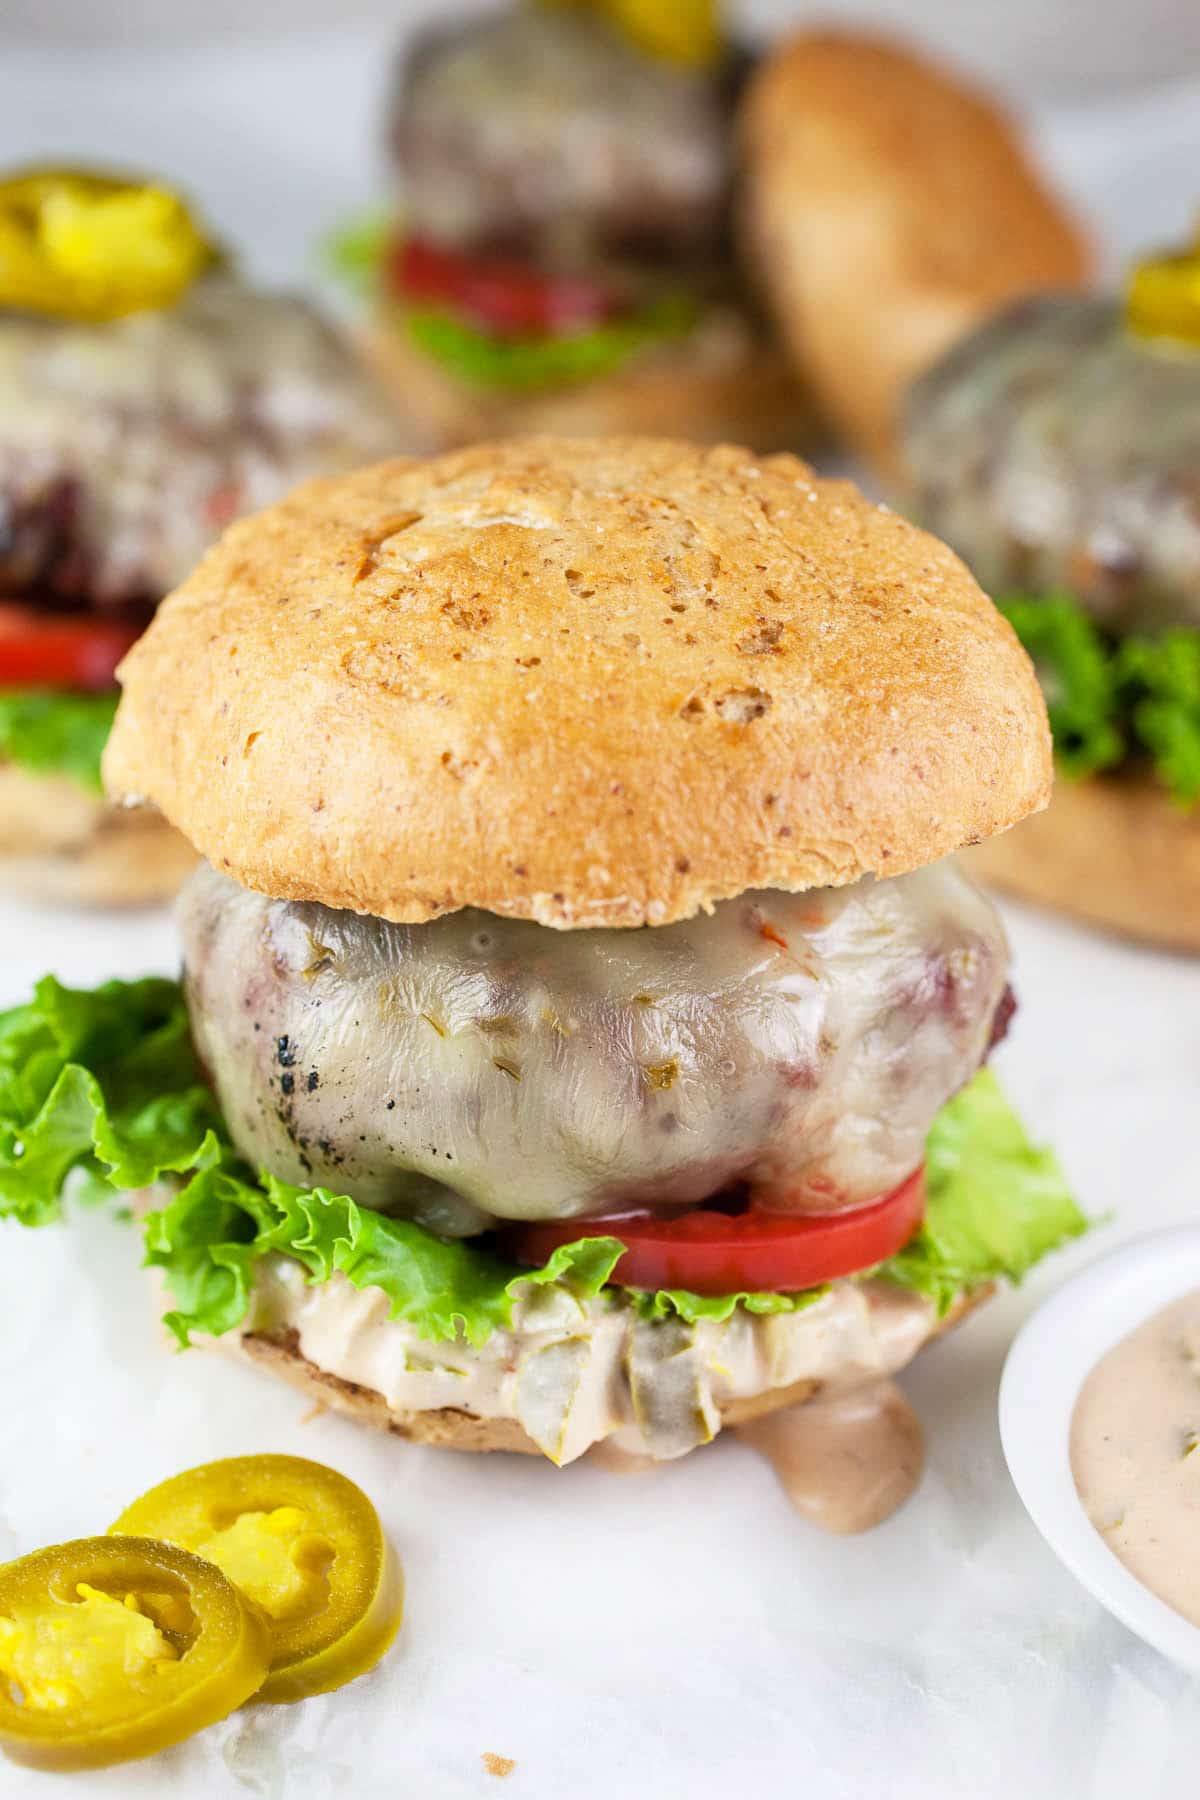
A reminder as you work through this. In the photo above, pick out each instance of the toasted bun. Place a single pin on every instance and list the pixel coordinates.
(723, 383)
(889, 207)
(62, 845)
(451, 1429)
(1113, 851)
(587, 682)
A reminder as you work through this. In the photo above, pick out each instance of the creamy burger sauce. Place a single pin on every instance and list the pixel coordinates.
(576, 1374)
(846, 1460)
(1135, 1453)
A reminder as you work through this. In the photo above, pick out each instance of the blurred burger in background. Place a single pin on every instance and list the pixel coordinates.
(888, 208)
(147, 397)
(562, 257)
(1057, 448)
(935, 292)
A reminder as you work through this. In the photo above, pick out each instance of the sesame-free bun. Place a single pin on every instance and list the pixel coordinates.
(725, 381)
(1113, 851)
(586, 682)
(889, 207)
(65, 846)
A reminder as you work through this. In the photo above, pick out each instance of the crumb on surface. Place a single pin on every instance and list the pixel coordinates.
(316, 1411)
(498, 1765)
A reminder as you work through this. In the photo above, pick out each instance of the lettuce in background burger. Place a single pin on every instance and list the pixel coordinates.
(1057, 448)
(581, 1036)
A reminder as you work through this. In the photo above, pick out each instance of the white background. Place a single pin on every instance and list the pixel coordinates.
(1049, 47)
(680, 1633)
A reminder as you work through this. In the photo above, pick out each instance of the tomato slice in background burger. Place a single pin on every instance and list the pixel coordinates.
(756, 1251)
(503, 297)
(64, 650)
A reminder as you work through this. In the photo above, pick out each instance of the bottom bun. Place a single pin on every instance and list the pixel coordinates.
(60, 844)
(451, 1428)
(722, 384)
(1114, 851)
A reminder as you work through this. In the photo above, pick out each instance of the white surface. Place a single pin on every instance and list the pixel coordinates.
(1051, 1358)
(682, 1633)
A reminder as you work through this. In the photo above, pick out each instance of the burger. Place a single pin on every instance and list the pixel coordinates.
(888, 207)
(563, 258)
(581, 1036)
(1058, 449)
(147, 396)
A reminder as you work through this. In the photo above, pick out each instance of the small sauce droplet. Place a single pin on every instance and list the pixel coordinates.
(846, 1461)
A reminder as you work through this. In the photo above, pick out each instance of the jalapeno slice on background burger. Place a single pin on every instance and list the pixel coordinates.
(148, 395)
(582, 1031)
(940, 302)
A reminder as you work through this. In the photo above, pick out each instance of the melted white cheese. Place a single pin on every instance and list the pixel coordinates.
(479, 1068)
(126, 447)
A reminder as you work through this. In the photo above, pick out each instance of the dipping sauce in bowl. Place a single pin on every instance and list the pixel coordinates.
(1135, 1452)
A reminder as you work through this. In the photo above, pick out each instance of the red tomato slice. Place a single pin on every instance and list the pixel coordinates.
(504, 297)
(64, 650)
(753, 1252)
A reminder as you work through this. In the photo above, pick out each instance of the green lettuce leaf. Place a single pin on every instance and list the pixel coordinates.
(53, 733)
(1159, 680)
(208, 1238)
(995, 1204)
(355, 252)
(1110, 700)
(1075, 668)
(106, 1082)
(691, 1308)
(522, 364)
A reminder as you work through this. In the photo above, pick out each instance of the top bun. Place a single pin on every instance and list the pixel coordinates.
(890, 207)
(583, 681)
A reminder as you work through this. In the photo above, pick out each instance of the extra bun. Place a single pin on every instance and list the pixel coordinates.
(724, 382)
(62, 845)
(1113, 851)
(586, 682)
(889, 208)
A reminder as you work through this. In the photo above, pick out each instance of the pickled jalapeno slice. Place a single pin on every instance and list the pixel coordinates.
(1162, 298)
(79, 245)
(115, 1647)
(304, 1544)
